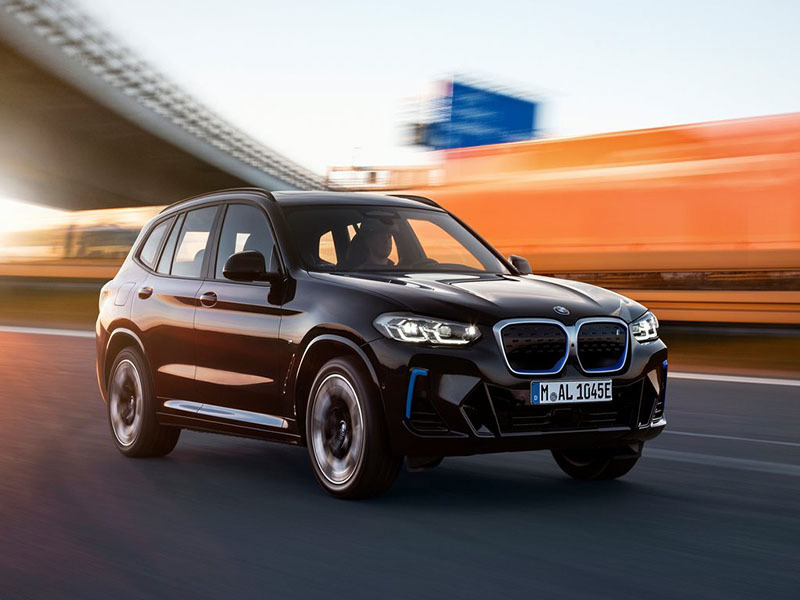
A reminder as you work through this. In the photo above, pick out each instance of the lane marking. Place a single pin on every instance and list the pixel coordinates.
(733, 438)
(743, 464)
(48, 331)
(734, 379)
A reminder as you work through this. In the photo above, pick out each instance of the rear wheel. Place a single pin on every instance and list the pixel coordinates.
(132, 409)
(346, 436)
(595, 463)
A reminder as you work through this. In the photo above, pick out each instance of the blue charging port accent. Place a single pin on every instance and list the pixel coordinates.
(410, 395)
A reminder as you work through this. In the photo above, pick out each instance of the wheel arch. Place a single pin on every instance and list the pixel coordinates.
(319, 350)
(118, 339)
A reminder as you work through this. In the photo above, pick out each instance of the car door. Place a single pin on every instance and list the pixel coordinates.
(165, 304)
(241, 361)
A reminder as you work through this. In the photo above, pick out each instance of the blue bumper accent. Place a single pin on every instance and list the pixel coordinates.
(410, 394)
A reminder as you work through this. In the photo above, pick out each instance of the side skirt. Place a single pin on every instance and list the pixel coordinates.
(214, 424)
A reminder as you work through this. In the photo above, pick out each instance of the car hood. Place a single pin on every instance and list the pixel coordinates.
(487, 297)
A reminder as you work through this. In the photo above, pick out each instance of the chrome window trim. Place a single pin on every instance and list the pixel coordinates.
(572, 343)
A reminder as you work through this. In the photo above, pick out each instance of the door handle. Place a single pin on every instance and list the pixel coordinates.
(208, 299)
(145, 292)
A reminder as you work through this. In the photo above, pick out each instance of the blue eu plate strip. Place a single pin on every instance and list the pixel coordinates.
(414, 374)
(535, 392)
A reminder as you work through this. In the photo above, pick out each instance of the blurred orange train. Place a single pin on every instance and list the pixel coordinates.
(700, 221)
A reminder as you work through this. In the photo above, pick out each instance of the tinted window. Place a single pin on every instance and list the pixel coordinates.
(245, 228)
(150, 248)
(192, 242)
(165, 262)
(379, 238)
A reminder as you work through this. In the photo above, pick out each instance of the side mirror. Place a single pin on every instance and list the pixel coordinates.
(520, 264)
(248, 266)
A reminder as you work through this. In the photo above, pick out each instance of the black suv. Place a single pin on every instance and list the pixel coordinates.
(368, 328)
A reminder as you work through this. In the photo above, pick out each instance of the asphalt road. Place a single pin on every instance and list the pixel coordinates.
(712, 510)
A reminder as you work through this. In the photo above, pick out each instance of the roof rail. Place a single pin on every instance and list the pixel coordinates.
(422, 199)
(258, 190)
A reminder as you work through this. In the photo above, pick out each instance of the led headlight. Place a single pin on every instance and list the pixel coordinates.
(425, 330)
(645, 328)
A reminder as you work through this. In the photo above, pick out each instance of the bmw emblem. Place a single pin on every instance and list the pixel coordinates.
(562, 310)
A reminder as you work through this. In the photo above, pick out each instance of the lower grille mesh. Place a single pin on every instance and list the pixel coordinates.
(424, 417)
(515, 414)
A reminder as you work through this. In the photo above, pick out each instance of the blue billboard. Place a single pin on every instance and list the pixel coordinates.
(471, 116)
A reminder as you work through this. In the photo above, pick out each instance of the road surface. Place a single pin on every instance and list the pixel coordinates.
(711, 511)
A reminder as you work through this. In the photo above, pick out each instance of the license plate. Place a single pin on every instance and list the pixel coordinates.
(565, 392)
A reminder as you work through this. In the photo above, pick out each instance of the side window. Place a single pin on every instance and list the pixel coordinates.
(165, 262)
(150, 248)
(245, 228)
(192, 242)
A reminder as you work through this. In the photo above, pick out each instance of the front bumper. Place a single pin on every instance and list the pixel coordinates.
(461, 401)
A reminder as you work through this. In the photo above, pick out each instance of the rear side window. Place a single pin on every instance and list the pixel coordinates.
(150, 248)
(192, 242)
(245, 228)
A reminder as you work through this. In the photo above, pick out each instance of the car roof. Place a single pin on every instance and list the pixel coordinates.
(306, 198)
(310, 198)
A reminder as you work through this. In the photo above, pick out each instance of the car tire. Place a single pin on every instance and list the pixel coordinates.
(346, 435)
(132, 409)
(595, 464)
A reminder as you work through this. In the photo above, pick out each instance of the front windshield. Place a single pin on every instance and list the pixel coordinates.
(377, 238)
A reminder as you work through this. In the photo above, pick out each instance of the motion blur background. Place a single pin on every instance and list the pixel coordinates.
(655, 152)
(651, 148)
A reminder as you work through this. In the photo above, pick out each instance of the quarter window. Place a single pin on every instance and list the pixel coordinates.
(148, 253)
(192, 242)
(165, 262)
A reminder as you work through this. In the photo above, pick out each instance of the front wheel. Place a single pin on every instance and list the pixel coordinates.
(346, 436)
(595, 463)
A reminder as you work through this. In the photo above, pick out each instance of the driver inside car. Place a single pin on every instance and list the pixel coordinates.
(371, 247)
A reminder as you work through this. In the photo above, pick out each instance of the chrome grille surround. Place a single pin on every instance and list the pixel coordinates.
(571, 346)
(602, 320)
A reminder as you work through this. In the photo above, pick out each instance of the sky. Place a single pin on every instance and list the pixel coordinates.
(332, 83)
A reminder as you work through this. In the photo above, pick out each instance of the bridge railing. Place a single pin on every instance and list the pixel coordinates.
(79, 37)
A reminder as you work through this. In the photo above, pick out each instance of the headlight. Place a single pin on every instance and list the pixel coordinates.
(424, 330)
(645, 328)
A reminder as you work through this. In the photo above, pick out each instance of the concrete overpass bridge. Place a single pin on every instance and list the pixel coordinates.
(86, 124)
